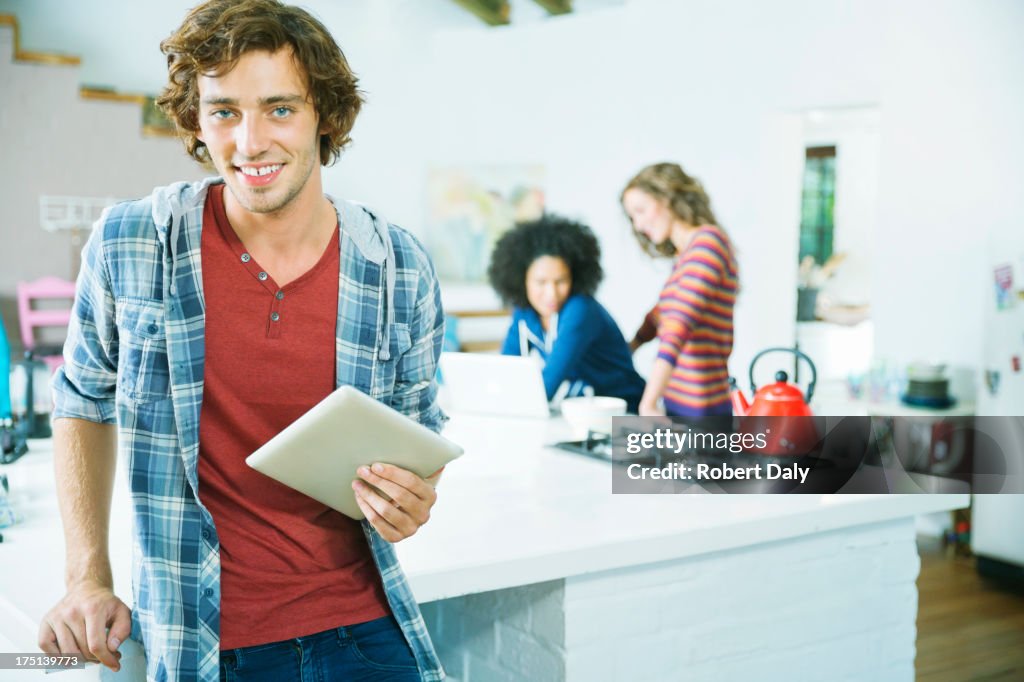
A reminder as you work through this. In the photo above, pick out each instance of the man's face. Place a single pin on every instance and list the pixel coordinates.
(260, 126)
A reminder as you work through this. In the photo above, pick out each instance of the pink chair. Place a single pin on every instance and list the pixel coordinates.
(33, 319)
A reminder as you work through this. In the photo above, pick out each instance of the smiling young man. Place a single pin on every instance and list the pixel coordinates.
(210, 316)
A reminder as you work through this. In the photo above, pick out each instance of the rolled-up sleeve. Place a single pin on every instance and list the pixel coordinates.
(84, 387)
(679, 313)
(672, 335)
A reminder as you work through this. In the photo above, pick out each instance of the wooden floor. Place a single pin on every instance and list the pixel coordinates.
(967, 628)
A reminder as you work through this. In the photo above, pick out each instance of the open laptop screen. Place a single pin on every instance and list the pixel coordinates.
(485, 383)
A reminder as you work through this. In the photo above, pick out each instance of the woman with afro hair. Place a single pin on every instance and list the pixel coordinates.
(548, 270)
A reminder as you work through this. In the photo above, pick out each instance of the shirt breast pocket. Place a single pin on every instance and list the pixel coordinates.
(143, 373)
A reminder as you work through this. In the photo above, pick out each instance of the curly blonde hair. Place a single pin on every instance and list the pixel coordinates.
(685, 196)
(217, 33)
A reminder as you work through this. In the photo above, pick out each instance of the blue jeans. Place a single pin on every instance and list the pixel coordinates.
(366, 652)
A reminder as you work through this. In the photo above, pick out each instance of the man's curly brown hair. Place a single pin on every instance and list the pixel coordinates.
(217, 33)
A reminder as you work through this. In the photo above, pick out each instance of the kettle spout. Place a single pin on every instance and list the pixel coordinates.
(740, 406)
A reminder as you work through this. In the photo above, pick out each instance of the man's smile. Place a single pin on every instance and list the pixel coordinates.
(258, 175)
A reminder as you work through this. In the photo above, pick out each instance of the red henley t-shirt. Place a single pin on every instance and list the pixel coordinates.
(290, 566)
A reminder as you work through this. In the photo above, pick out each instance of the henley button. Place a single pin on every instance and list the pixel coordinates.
(279, 295)
(275, 317)
(246, 258)
(262, 276)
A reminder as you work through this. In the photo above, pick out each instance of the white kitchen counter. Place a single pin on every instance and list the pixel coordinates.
(512, 512)
(511, 515)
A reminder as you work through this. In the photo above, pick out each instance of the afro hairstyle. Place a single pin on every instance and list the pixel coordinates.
(549, 235)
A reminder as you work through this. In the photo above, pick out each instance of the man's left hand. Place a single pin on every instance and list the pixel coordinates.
(410, 503)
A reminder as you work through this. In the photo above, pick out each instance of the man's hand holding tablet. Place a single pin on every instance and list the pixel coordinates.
(362, 458)
(405, 505)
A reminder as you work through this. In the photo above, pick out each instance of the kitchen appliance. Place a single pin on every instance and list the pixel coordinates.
(31, 401)
(595, 445)
(12, 440)
(780, 411)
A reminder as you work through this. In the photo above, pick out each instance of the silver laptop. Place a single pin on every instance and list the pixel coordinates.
(485, 383)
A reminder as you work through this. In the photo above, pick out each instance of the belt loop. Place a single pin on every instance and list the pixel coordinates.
(344, 637)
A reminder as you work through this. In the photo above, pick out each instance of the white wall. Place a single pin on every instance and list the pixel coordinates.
(53, 142)
(950, 170)
(119, 39)
(596, 95)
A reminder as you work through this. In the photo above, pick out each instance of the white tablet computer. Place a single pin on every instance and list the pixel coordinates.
(318, 454)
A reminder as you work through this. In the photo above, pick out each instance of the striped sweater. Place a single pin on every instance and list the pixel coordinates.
(695, 328)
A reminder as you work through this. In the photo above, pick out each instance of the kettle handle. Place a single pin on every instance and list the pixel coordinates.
(799, 354)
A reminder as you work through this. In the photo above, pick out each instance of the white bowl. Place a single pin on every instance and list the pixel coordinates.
(592, 414)
(926, 371)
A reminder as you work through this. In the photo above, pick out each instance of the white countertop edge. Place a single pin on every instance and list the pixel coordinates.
(508, 572)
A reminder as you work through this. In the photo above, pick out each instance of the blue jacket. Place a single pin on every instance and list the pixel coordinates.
(584, 347)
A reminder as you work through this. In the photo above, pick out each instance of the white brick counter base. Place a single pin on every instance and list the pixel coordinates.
(838, 605)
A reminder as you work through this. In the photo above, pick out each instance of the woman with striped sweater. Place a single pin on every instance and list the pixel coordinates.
(672, 217)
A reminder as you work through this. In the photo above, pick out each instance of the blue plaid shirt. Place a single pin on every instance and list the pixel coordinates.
(134, 357)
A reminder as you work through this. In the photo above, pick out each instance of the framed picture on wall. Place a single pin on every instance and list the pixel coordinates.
(470, 207)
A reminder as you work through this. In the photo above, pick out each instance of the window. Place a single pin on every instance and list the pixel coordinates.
(818, 201)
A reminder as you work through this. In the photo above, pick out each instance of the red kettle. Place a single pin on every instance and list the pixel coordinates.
(779, 412)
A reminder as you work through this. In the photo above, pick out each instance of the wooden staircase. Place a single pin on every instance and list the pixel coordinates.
(152, 119)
